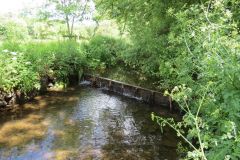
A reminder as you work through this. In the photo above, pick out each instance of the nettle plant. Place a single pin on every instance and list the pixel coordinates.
(208, 62)
(16, 72)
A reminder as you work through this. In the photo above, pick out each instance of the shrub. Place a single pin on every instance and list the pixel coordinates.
(58, 58)
(104, 51)
(17, 72)
(206, 41)
(23, 68)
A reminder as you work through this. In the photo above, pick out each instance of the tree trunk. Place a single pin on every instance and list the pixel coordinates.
(72, 26)
(68, 26)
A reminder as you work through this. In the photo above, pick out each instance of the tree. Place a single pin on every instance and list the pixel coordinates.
(70, 11)
(194, 46)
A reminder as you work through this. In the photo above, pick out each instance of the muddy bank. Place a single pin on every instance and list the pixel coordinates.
(9, 100)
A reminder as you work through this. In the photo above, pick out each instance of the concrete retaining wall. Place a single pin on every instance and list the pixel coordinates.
(146, 95)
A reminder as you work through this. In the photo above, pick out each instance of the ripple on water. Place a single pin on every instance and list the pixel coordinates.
(85, 123)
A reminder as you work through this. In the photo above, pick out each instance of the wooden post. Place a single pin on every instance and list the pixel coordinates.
(170, 103)
(122, 88)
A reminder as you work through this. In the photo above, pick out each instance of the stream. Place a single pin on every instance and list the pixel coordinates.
(85, 123)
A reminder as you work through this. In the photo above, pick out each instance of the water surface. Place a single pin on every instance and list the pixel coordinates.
(85, 123)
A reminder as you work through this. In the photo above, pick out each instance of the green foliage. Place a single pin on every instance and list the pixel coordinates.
(54, 59)
(148, 24)
(211, 45)
(23, 68)
(208, 53)
(11, 30)
(69, 11)
(58, 59)
(104, 51)
(195, 46)
(16, 72)
(189, 47)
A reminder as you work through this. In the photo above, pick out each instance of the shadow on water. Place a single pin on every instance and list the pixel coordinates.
(85, 123)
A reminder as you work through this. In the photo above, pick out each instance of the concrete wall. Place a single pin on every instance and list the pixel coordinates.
(146, 95)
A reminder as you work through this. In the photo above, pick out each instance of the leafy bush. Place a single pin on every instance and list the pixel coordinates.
(13, 31)
(193, 45)
(208, 61)
(17, 72)
(30, 62)
(59, 58)
(104, 51)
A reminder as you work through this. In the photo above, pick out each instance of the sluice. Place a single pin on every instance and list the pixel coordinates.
(146, 95)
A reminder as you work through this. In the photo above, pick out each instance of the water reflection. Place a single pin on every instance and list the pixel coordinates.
(84, 124)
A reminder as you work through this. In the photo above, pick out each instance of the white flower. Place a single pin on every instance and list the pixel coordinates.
(193, 34)
(228, 13)
(28, 63)
(5, 50)
(14, 53)
(203, 29)
(218, 3)
(227, 157)
(14, 58)
(175, 89)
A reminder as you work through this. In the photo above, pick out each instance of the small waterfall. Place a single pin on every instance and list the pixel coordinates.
(85, 83)
(128, 90)
(131, 93)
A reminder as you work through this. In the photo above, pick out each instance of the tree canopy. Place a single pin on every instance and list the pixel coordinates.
(70, 11)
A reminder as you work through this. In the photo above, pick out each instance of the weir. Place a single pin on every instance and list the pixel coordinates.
(137, 92)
